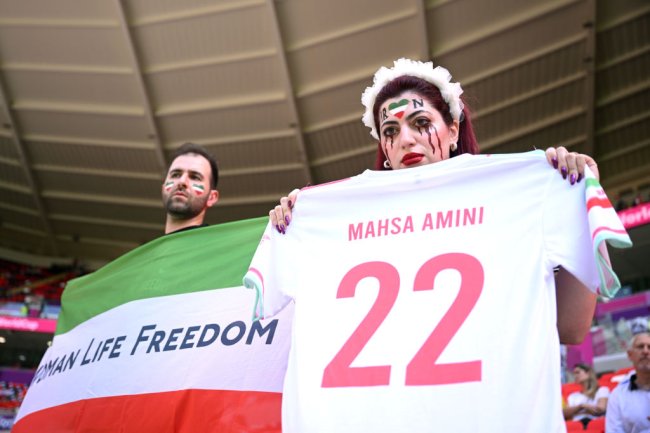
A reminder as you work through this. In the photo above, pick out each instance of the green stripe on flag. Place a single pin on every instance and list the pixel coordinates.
(201, 259)
(591, 182)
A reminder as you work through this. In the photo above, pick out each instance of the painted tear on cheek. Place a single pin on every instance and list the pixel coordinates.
(433, 149)
(428, 131)
(437, 137)
(386, 146)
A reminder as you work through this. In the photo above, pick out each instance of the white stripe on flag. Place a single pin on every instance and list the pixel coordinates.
(229, 363)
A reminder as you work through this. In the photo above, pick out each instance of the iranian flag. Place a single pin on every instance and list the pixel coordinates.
(162, 340)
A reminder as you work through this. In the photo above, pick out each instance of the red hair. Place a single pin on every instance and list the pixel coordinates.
(466, 139)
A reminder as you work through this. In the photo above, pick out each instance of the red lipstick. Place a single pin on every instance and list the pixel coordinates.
(412, 158)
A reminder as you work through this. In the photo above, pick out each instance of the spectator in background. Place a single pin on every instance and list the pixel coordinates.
(638, 199)
(639, 325)
(591, 401)
(628, 409)
(620, 203)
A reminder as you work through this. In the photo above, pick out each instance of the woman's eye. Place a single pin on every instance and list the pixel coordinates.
(390, 131)
(422, 122)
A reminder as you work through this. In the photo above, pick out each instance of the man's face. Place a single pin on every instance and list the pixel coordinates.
(186, 190)
(639, 353)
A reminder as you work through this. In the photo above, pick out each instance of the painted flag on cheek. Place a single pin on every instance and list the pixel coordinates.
(169, 185)
(162, 340)
(198, 188)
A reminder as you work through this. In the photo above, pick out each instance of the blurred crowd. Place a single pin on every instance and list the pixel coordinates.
(27, 290)
(631, 199)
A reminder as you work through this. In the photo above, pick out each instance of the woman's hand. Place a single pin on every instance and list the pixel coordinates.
(571, 165)
(280, 216)
(592, 410)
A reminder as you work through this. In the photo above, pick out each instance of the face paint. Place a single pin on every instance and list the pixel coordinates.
(169, 185)
(198, 188)
(428, 131)
(415, 132)
(397, 109)
(384, 116)
(437, 136)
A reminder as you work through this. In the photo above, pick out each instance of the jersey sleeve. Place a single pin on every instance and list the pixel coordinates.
(265, 275)
(579, 221)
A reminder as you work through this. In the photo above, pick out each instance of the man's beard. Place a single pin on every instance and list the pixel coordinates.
(185, 210)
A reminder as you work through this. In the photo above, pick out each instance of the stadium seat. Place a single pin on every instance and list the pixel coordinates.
(596, 425)
(569, 388)
(625, 370)
(608, 383)
(606, 377)
(574, 426)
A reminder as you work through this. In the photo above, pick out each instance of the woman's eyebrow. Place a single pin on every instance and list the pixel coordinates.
(415, 113)
(390, 122)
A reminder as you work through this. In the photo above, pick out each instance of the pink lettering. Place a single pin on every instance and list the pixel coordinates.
(382, 227)
(443, 222)
(408, 224)
(428, 223)
(355, 232)
(370, 230)
(469, 216)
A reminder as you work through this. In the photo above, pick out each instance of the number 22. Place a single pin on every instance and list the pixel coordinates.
(423, 369)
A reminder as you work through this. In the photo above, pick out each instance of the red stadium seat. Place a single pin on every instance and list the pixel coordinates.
(596, 425)
(574, 426)
(606, 377)
(625, 370)
(569, 388)
(609, 384)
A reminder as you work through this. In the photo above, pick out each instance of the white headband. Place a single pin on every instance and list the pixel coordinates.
(438, 76)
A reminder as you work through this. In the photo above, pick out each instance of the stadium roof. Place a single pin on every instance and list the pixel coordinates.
(94, 96)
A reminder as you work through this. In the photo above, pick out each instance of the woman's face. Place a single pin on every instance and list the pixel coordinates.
(579, 375)
(413, 133)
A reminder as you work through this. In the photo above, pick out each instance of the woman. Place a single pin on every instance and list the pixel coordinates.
(418, 117)
(570, 164)
(591, 401)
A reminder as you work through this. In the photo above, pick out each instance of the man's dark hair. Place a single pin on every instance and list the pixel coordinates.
(199, 150)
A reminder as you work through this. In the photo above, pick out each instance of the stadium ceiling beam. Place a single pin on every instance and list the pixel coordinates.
(589, 60)
(471, 37)
(152, 203)
(26, 165)
(213, 8)
(154, 130)
(291, 97)
(425, 49)
(225, 173)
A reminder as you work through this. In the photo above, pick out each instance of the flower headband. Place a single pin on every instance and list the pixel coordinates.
(438, 76)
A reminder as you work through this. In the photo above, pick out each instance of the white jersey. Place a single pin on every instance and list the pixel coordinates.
(424, 298)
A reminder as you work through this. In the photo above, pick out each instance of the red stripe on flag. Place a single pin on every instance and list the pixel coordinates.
(608, 229)
(598, 201)
(187, 411)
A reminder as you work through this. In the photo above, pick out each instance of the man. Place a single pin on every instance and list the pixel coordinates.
(190, 187)
(628, 408)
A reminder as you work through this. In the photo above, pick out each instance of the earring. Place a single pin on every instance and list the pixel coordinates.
(386, 164)
(453, 147)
